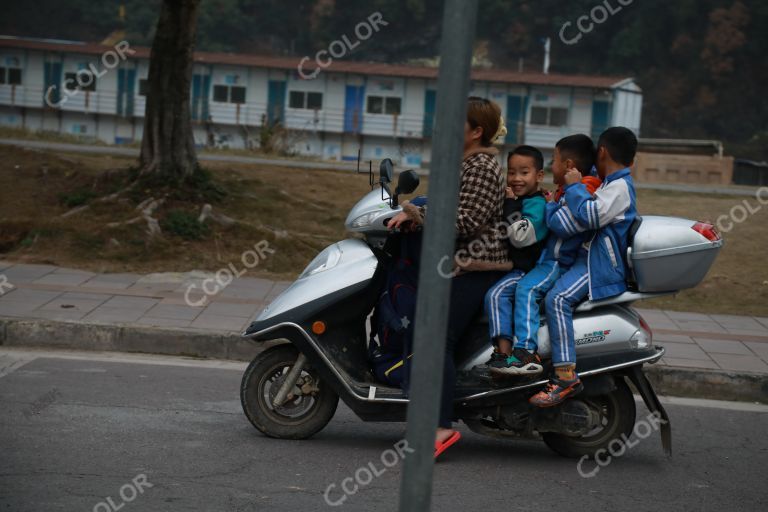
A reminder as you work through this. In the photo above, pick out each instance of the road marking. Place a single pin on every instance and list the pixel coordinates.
(715, 404)
(10, 362)
(711, 404)
(121, 357)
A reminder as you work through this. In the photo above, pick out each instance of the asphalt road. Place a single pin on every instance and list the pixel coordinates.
(103, 432)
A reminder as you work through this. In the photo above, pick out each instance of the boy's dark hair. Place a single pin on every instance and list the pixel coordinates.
(580, 149)
(529, 151)
(621, 144)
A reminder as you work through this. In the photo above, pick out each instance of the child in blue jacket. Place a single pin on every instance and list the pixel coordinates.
(600, 270)
(524, 292)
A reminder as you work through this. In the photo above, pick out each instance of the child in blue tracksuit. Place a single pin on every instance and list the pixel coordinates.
(600, 270)
(524, 213)
(524, 293)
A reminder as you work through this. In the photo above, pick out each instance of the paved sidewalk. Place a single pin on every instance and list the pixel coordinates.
(692, 340)
(175, 300)
(724, 342)
(135, 306)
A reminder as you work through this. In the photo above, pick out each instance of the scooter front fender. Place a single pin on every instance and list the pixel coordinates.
(339, 271)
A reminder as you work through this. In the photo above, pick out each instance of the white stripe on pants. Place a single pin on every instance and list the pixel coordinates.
(494, 306)
(561, 300)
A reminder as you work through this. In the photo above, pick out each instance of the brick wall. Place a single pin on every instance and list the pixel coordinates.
(695, 169)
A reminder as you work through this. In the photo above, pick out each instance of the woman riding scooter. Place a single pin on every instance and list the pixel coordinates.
(479, 215)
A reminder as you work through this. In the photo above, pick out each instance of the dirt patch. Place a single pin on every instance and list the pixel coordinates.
(297, 212)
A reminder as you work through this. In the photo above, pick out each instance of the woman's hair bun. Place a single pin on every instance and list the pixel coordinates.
(501, 132)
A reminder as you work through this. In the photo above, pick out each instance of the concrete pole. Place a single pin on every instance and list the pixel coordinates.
(459, 20)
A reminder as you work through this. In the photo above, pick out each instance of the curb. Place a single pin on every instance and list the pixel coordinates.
(125, 338)
(666, 380)
(709, 384)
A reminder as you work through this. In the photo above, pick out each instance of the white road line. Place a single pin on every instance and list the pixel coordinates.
(10, 362)
(711, 404)
(121, 357)
(715, 404)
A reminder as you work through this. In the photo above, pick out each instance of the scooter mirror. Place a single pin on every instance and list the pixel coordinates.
(386, 171)
(407, 182)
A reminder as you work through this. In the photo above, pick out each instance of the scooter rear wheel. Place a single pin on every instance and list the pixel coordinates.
(309, 407)
(617, 418)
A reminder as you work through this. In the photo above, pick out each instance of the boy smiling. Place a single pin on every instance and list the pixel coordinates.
(524, 210)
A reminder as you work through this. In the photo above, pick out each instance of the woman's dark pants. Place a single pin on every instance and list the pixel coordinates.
(467, 297)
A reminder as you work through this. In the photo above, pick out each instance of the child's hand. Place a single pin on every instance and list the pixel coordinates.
(510, 194)
(548, 195)
(572, 176)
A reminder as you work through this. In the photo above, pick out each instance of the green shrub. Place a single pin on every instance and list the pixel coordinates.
(76, 198)
(203, 183)
(184, 224)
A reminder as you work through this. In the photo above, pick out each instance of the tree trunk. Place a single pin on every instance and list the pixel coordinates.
(167, 146)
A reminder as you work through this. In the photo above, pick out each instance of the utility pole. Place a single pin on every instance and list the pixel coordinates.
(459, 20)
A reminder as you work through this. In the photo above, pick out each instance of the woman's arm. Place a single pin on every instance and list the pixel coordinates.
(478, 200)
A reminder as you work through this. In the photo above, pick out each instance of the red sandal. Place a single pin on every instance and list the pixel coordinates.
(440, 447)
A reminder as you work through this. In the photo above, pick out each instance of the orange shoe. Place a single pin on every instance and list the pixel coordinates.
(556, 392)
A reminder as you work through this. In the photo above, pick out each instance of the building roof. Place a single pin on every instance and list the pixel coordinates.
(338, 66)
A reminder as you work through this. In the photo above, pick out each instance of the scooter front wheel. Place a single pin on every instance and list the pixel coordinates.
(308, 408)
(617, 418)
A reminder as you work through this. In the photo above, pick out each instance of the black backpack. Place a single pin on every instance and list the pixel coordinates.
(391, 344)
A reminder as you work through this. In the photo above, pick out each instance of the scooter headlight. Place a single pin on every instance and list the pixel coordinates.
(327, 259)
(364, 220)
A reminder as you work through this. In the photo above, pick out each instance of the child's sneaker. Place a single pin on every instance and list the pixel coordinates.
(496, 357)
(483, 371)
(556, 391)
(521, 362)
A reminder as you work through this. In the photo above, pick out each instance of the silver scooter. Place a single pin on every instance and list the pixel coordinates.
(319, 330)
